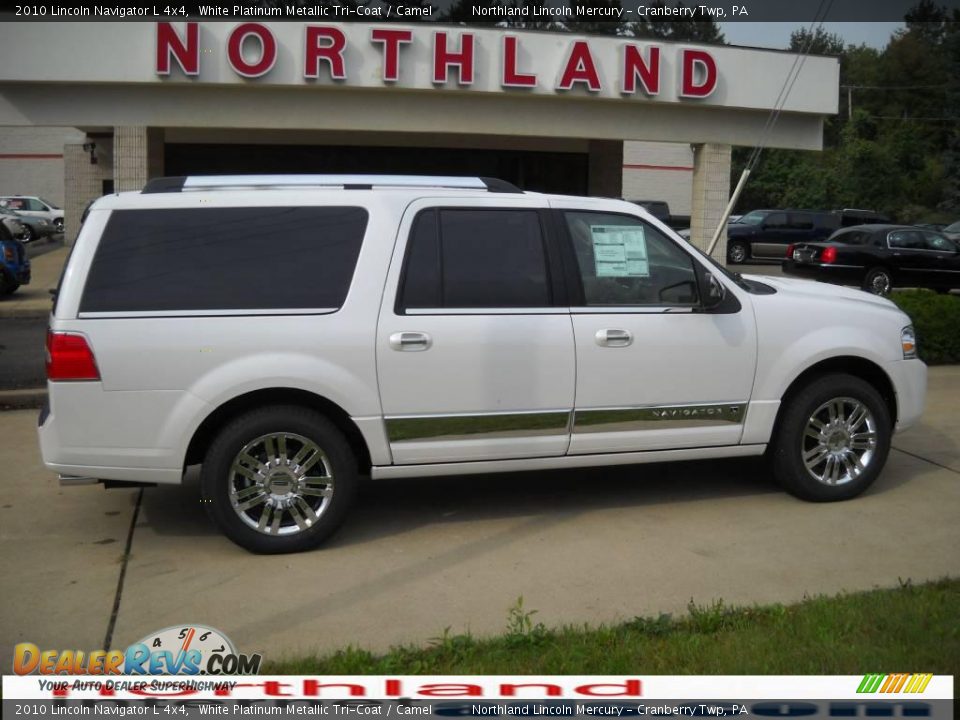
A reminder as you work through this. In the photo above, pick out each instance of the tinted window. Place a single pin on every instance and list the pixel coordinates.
(938, 242)
(775, 220)
(852, 237)
(624, 261)
(459, 258)
(801, 221)
(269, 258)
(906, 239)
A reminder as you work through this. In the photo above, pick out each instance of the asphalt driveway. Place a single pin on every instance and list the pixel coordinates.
(419, 557)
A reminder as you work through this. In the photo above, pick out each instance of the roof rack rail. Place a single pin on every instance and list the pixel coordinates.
(347, 182)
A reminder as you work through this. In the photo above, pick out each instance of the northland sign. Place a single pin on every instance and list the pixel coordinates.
(251, 50)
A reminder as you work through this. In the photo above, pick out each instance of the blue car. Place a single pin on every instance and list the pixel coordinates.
(14, 265)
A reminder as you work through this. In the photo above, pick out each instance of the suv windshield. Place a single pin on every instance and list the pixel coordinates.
(953, 227)
(49, 204)
(753, 218)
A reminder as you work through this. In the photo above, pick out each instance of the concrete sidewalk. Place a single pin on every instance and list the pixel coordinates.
(33, 300)
(417, 557)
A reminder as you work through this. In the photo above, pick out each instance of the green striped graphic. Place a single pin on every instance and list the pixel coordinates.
(871, 682)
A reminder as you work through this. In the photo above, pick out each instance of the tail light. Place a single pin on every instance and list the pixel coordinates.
(789, 252)
(9, 254)
(69, 357)
(828, 255)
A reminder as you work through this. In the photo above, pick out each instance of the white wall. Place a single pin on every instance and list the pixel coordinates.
(31, 160)
(659, 171)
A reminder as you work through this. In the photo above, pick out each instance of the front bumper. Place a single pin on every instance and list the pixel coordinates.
(909, 379)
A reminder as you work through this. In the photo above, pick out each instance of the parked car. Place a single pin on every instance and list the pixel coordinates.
(34, 228)
(13, 225)
(14, 264)
(765, 234)
(952, 231)
(879, 258)
(291, 333)
(35, 206)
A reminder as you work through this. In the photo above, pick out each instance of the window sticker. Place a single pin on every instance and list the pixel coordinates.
(620, 251)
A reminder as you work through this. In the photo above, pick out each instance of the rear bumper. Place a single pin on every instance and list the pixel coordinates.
(827, 272)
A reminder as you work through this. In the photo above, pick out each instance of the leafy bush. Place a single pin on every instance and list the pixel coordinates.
(936, 318)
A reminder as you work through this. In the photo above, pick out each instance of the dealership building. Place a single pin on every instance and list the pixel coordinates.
(88, 108)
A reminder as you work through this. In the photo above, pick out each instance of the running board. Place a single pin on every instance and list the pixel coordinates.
(389, 472)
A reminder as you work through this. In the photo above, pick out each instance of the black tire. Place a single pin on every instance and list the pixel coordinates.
(58, 225)
(878, 281)
(7, 284)
(791, 446)
(217, 479)
(28, 234)
(738, 252)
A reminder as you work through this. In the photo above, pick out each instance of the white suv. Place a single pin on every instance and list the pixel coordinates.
(292, 333)
(33, 206)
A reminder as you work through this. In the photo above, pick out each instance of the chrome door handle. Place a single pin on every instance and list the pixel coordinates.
(613, 337)
(410, 341)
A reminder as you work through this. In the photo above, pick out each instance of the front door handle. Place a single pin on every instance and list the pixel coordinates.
(613, 337)
(410, 341)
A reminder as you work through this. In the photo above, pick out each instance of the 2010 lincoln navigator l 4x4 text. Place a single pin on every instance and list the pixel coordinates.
(291, 333)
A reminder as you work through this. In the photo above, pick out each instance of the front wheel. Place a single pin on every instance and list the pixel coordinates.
(878, 281)
(28, 234)
(832, 439)
(279, 479)
(737, 253)
(58, 225)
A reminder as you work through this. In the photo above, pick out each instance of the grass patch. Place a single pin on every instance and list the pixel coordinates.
(936, 318)
(907, 629)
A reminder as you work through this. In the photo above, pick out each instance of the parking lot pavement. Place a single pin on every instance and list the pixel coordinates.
(61, 549)
(418, 557)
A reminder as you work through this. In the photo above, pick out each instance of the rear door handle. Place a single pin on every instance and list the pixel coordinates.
(613, 337)
(410, 341)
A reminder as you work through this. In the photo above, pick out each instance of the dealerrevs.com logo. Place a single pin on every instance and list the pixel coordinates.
(176, 650)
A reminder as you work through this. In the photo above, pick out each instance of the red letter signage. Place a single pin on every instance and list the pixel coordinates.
(634, 66)
(693, 86)
(334, 41)
(169, 43)
(512, 77)
(268, 50)
(391, 40)
(580, 68)
(443, 59)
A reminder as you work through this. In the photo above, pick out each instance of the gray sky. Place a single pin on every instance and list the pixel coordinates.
(777, 34)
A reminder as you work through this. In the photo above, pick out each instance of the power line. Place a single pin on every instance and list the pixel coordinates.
(900, 87)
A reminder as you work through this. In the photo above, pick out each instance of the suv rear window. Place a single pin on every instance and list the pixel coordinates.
(225, 259)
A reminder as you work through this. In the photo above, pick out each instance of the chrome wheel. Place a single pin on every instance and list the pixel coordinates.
(839, 442)
(879, 283)
(280, 484)
(737, 253)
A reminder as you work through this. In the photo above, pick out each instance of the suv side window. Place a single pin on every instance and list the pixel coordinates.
(624, 261)
(475, 258)
(225, 260)
(33, 204)
(801, 221)
(775, 221)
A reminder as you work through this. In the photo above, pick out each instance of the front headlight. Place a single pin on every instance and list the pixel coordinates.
(908, 340)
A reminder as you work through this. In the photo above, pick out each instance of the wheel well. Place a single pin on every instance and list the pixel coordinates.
(216, 420)
(863, 369)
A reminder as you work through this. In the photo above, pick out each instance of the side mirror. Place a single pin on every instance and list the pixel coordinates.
(714, 291)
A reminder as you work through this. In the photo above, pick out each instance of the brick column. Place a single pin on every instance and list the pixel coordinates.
(82, 182)
(605, 168)
(710, 195)
(137, 156)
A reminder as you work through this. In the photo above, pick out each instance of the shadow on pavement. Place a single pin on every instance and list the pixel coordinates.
(393, 507)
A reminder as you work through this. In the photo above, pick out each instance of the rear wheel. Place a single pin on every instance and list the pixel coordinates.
(28, 234)
(7, 284)
(737, 252)
(878, 281)
(279, 479)
(832, 440)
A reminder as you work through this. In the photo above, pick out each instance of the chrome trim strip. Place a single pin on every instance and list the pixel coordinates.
(657, 417)
(632, 309)
(475, 427)
(205, 313)
(487, 311)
